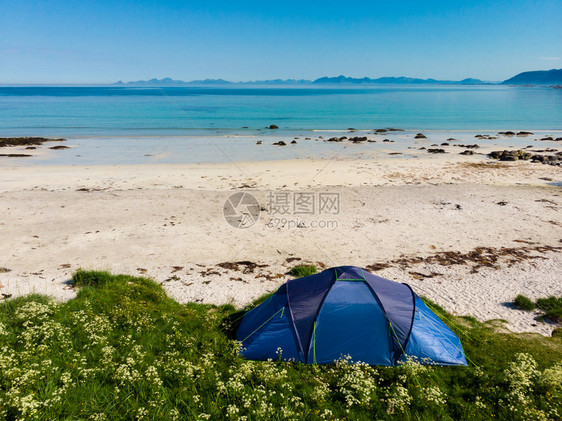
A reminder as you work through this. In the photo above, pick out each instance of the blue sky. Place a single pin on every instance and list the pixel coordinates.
(61, 41)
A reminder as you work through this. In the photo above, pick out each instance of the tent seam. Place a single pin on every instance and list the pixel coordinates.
(318, 313)
(413, 317)
(293, 320)
(384, 311)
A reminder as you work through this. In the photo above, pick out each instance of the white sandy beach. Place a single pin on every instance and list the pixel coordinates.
(166, 222)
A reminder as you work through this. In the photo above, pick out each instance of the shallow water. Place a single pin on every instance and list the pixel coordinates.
(118, 111)
(227, 148)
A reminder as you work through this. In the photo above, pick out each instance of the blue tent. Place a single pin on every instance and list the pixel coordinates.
(347, 311)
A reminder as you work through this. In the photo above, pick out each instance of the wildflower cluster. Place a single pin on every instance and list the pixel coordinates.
(523, 377)
(122, 349)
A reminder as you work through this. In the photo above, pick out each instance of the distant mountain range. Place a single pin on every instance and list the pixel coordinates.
(171, 82)
(342, 80)
(540, 77)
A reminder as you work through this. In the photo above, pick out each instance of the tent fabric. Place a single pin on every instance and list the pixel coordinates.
(351, 309)
(398, 303)
(428, 334)
(347, 311)
(305, 295)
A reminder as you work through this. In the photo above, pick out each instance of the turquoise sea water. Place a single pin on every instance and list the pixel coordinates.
(119, 111)
(116, 125)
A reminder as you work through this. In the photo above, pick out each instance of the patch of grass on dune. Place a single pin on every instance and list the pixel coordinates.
(524, 303)
(123, 350)
(551, 306)
(302, 271)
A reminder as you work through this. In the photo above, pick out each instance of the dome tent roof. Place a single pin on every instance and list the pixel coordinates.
(347, 311)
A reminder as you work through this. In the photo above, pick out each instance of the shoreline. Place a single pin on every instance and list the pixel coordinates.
(273, 145)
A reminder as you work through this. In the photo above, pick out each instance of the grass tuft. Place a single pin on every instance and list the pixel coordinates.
(303, 270)
(524, 303)
(551, 306)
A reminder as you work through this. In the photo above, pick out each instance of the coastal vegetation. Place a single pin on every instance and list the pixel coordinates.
(123, 350)
(303, 270)
(551, 307)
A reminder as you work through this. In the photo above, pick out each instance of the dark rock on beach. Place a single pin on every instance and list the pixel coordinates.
(338, 139)
(523, 133)
(420, 136)
(273, 126)
(508, 133)
(524, 155)
(467, 152)
(358, 139)
(548, 159)
(435, 150)
(294, 142)
(510, 155)
(15, 155)
(59, 147)
(280, 143)
(26, 141)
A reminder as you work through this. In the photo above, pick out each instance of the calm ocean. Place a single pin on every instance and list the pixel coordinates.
(118, 111)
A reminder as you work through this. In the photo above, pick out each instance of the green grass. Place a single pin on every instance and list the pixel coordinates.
(551, 306)
(524, 303)
(123, 350)
(303, 270)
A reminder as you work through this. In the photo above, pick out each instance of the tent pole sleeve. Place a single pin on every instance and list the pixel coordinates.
(316, 318)
(413, 317)
(293, 321)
